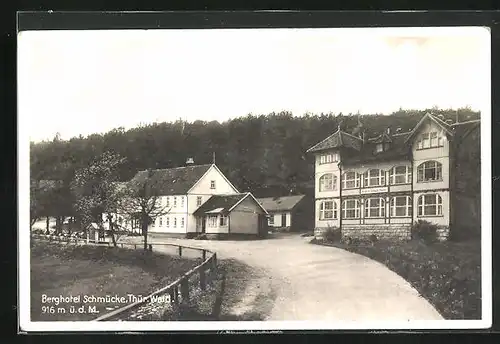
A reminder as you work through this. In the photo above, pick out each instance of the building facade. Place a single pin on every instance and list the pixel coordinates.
(181, 191)
(288, 213)
(380, 186)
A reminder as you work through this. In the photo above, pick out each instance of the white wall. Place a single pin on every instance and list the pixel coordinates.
(244, 219)
(443, 220)
(203, 190)
(326, 223)
(322, 169)
(440, 154)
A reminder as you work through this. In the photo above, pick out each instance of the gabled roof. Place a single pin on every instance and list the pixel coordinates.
(272, 204)
(428, 116)
(224, 204)
(336, 140)
(174, 181)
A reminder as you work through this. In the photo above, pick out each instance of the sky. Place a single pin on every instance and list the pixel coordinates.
(83, 82)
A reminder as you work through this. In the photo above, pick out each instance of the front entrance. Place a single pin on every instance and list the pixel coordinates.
(283, 220)
(203, 224)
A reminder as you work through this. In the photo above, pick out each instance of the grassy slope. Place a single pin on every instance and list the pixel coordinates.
(96, 271)
(448, 274)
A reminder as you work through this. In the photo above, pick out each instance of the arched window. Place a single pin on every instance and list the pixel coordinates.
(350, 180)
(374, 177)
(328, 182)
(401, 206)
(350, 209)
(401, 175)
(375, 207)
(327, 210)
(429, 171)
(430, 205)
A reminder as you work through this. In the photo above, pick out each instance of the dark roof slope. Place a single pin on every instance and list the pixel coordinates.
(397, 150)
(280, 203)
(220, 203)
(174, 181)
(336, 140)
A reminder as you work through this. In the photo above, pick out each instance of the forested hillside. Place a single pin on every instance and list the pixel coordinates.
(264, 154)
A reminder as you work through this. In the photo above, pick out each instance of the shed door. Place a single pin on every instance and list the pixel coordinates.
(283, 220)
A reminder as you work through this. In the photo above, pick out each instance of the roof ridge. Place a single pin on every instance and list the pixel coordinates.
(320, 142)
(466, 122)
(174, 168)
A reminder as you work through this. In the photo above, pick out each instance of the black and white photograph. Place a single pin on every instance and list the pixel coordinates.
(254, 179)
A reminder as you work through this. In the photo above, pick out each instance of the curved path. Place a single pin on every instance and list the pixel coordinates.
(312, 282)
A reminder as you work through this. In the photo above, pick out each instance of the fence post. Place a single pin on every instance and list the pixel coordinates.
(150, 248)
(135, 246)
(203, 282)
(172, 292)
(204, 255)
(180, 251)
(185, 290)
(122, 245)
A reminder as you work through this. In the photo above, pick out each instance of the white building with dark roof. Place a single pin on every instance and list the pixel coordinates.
(380, 186)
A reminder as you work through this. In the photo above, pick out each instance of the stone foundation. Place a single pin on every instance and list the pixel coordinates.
(385, 231)
(443, 233)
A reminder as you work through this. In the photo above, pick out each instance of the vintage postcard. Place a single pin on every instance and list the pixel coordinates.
(254, 179)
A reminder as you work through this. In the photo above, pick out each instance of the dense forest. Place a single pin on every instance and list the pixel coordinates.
(264, 154)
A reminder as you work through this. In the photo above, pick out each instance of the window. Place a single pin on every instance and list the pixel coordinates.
(350, 209)
(327, 210)
(168, 201)
(430, 205)
(375, 207)
(182, 222)
(374, 177)
(430, 140)
(175, 222)
(126, 222)
(328, 158)
(175, 202)
(350, 180)
(161, 222)
(271, 220)
(198, 201)
(328, 182)
(223, 220)
(153, 223)
(168, 221)
(379, 148)
(401, 175)
(182, 202)
(401, 206)
(212, 221)
(212, 184)
(429, 171)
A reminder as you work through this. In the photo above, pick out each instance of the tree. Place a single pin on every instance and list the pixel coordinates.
(96, 191)
(143, 202)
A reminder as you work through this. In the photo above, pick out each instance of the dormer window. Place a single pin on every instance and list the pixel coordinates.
(379, 148)
(328, 158)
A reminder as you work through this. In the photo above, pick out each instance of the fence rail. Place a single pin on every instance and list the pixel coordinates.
(178, 291)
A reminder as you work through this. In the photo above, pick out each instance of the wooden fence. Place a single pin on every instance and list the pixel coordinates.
(178, 291)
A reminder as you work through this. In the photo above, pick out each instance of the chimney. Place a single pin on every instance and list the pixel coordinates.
(449, 121)
(388, 131)
(189, 161)
(398, 129)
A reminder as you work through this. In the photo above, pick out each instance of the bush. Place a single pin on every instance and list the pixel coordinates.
(424, 231)
(332, 234)
(373, 238)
